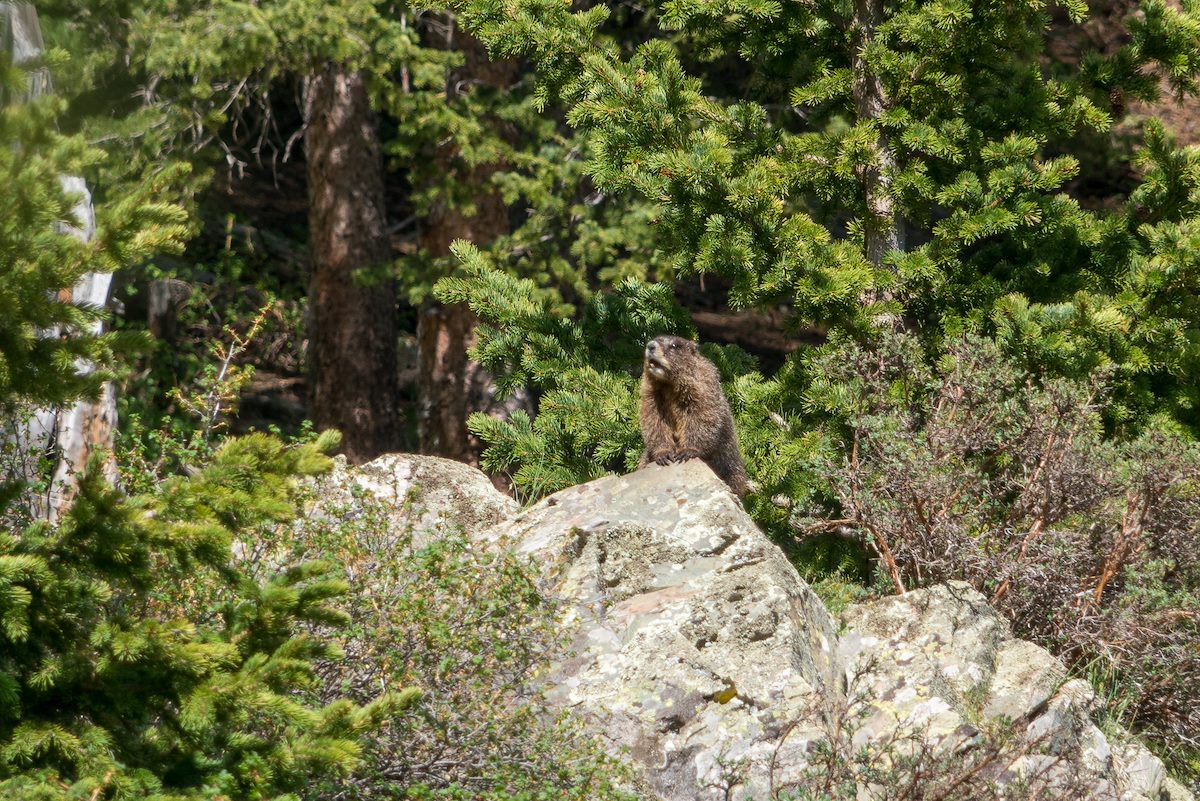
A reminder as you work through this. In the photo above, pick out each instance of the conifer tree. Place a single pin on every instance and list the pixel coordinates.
(55, 356)
(141, 661)
(138, 657)
(870, 163)
(40, 258)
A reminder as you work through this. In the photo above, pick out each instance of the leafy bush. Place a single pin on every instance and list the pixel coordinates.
(468, 627)
(979, 470)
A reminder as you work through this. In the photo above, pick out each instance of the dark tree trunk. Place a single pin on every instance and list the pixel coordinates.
(352, 333)
(447, 378)
(443, 336)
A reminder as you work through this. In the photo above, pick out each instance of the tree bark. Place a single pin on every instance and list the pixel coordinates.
(73, 434)
(883, 228)
(447, 378)
(352, 337)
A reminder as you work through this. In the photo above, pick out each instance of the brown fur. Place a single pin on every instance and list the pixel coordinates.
(684, 413)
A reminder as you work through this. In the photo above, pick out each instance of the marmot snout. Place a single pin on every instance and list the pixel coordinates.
(684, 413)
(658, 364)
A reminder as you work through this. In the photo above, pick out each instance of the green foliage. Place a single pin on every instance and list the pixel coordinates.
(574, 237)
(1134, 308)
(41, 337)
(435, 608)
(486, 135)
(199, 66)
(117, 679)
(1161, 46)
(976, 469)
(764, 179)
(587, 420)
(114, 680)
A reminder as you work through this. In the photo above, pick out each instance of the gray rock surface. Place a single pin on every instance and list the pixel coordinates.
(696, 646)
(700, 653)
(421, 492)
(944, 664)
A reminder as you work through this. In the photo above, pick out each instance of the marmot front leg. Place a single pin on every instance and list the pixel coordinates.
(657, 435)
(661, 453)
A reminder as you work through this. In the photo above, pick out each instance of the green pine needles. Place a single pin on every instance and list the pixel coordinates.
(41, 337)
(861, 167)
(141, 660)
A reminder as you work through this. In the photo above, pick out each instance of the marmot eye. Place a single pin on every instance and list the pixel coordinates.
(675, 346)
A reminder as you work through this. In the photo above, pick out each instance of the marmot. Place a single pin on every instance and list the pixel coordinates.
(685, 414)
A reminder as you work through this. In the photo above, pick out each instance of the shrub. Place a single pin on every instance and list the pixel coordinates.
(140, 660)
(980, 470)
(468, 627)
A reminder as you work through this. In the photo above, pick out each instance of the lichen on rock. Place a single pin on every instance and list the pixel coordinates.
(698, 652)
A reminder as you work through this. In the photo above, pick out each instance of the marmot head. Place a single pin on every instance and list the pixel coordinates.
(665, 353)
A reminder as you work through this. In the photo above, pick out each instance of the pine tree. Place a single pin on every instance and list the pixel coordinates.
(141, 660)
(40, 258)
(902, 164)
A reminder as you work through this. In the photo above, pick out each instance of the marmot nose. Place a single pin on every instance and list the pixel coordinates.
(651, 346)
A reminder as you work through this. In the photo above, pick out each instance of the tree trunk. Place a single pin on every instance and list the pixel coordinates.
(71, 435)
(883, 228)
(352, 326)
(447, 378)
(443, 336)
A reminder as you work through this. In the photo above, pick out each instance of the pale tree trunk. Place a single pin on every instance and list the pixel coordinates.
(352, 348)
(450, 385)
(883, 231)
(70, 435)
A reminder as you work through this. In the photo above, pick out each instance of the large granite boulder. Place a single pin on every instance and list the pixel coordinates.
(420, 495)
(699, 653)
(696, 646)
